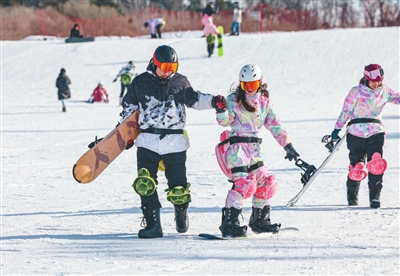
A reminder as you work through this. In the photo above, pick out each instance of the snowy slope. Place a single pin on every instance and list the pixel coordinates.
(51, 225)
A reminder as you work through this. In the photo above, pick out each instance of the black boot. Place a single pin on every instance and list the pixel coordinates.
(374, 198)
(230, 223)
(181, 218)
(260, 221)
(151, 222)
(352, 195)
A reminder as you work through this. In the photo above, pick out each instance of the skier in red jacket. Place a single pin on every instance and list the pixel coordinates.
(99, 94)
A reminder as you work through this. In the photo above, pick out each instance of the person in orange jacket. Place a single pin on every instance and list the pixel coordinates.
(99, 94)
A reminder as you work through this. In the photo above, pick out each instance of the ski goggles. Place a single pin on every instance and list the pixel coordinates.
(166, 66)
(250, 85)
(376, 74)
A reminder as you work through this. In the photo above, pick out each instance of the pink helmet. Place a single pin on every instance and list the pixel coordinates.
(373, 72)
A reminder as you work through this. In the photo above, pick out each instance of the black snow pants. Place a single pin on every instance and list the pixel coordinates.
(365, 147)
(175, 171)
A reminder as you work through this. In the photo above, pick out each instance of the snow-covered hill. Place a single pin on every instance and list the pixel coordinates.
(51, 225)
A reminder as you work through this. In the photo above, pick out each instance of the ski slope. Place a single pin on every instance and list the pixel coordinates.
(52, 225)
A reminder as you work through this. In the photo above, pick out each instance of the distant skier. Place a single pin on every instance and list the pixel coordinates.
(62, 83)
(236, 19)
(365, 133)
(208, 11)
(127, 73)
(75, 31)
(210, 31)
(162, 95)
(249, 109)
(99, 94)
(155, 24)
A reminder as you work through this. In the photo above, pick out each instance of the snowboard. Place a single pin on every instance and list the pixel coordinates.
(250, 236)
(310, 172)
(79, 39)
(92, 163)
(220, 47)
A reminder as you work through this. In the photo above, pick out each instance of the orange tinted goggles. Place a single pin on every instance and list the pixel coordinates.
(250, 85)
(166, 66)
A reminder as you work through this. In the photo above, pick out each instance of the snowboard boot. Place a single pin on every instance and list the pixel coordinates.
(374, 198)
(151, 222)
(230, 223)
(260, 221)
(64, 109)
(181, 218)
(352, 196)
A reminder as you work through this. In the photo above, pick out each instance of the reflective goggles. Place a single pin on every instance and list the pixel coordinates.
(166, 66)
(377, 73)
(250, 85)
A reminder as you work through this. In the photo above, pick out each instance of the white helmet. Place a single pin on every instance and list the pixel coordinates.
(100, 83)
(250, 72)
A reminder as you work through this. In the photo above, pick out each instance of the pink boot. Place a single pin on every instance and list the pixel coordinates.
(357, 173)
(377, 165)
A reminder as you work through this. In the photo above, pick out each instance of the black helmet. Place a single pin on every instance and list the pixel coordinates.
(165, 53)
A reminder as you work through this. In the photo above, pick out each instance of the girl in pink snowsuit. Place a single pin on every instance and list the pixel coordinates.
(210, 31)
(99, 94)
(365, 133)
(249, 109)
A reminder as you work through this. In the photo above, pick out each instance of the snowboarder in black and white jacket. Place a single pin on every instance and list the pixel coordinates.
(161, 95)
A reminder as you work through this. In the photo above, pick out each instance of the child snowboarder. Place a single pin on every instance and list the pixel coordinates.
(210, 31)
(62, 83)
(99, 94)
(162, 94)
(365, 133)
(208, 12)
(127, 73)
(249, 108)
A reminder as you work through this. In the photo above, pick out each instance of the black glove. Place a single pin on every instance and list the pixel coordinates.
(114, 80)
(335, 134)
(291, 153)
(219, 103)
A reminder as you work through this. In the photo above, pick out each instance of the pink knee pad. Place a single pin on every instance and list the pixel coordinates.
(377, 165)
(246, 186)
(358, 172)
(268, 190)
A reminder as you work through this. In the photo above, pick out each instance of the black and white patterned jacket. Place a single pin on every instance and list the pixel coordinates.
(162, 105)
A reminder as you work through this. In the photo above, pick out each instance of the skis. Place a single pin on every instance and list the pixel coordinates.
(251, 236)
(310, 172)
(220, 47)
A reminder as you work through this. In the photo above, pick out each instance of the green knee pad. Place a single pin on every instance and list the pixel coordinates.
(178, 195)
(144, 185)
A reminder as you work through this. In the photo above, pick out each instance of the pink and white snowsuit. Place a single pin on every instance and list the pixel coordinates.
(257, 183)
(364, 102)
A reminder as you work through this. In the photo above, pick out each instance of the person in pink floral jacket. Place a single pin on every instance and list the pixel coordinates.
(249, 109)
(365, 133)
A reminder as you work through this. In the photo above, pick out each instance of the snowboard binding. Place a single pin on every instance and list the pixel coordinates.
(330, 142)
(309, 170)
(95, 142)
